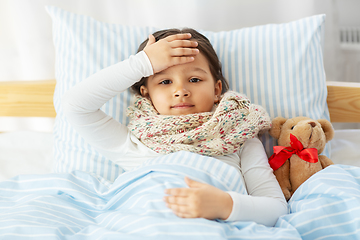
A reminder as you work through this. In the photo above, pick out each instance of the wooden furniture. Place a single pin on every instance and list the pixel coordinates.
(35, 99)
(27, 98)
(344, 101)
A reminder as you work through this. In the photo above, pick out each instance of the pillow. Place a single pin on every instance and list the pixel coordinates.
(279, 66)
(84, 46)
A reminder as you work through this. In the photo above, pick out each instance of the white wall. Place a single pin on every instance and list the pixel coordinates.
(348, 66)
(349, 12)
(26, 50)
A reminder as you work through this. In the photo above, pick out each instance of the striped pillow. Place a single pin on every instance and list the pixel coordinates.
(279, 66)
(84, 46)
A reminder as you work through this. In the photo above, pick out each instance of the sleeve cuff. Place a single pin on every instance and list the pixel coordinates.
(262, 210)
(146, 64)
(236, 207)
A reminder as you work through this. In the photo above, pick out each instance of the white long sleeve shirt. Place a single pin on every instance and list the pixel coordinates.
(81, 105)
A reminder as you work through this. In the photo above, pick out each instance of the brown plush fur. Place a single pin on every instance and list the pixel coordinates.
(312, 134)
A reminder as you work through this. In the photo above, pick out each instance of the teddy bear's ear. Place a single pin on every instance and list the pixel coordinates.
(276, 126)
(327, 128)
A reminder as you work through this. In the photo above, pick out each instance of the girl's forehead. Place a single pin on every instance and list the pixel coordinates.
(199, 65)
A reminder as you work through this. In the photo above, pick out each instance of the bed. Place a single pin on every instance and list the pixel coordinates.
(55, 186)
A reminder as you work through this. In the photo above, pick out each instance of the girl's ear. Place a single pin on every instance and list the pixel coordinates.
(144, 91)
(218, 90)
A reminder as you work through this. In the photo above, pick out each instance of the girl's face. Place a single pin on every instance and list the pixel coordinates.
(183, 89)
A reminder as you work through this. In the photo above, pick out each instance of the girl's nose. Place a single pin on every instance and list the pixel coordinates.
(181, 91)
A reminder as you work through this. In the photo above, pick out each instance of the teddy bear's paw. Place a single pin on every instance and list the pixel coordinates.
(325, 161)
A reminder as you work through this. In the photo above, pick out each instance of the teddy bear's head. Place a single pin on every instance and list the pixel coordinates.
(311, 133)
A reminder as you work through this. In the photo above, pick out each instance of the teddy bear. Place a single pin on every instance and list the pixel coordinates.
(297, 157)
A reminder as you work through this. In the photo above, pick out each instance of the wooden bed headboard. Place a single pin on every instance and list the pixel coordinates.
(35, 99)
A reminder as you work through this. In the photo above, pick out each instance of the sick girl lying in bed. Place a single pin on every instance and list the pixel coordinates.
(182, 104)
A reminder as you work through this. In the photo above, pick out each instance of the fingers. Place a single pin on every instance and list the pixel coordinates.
(151, 40)
(185, 192)
(182, 55)
(181, 192)
(180, 36)
(183, 201)
(178, 52)
(184, 215)
(183, 47)
(183, 211)
(170, 51)
(183, 44)
(176, 200)
(176, 41)
(199, 200)
(192, 183)
(181, 206)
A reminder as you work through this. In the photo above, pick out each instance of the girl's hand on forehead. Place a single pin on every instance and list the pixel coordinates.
(170, 51)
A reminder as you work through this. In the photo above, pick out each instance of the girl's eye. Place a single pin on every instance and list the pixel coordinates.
(165, 82)
(195, 80)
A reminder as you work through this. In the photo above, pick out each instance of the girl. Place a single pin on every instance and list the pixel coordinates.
(181, 80)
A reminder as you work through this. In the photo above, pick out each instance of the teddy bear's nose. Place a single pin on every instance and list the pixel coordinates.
(312, 124)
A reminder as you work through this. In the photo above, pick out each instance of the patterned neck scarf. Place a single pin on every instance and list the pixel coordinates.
(216, 133)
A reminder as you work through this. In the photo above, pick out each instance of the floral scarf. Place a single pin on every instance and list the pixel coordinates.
(216, 133)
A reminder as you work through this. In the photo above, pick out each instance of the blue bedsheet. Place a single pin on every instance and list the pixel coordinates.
(79, 205)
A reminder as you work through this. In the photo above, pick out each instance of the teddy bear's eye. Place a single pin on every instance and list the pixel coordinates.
(292, 127)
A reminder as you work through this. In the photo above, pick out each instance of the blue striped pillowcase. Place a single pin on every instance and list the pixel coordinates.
(279, 66)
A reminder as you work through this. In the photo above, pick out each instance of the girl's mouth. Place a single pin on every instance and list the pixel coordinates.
(182, 105)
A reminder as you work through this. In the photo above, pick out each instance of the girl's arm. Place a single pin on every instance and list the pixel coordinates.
(264, 204)
(81, 104)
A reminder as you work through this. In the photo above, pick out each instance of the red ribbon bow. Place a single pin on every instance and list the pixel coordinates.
(281, 154)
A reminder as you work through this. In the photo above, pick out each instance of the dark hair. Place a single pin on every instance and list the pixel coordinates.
(204, 47)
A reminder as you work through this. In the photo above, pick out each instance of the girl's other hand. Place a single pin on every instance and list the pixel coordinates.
(170, 51)
(200, 200)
